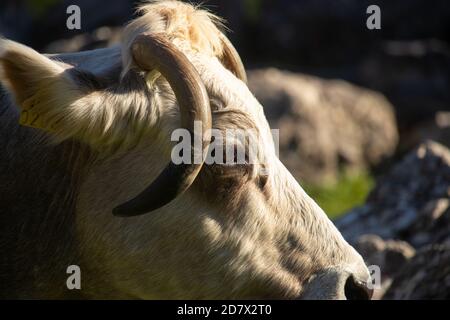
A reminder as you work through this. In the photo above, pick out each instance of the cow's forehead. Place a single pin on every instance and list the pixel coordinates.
(225, 88)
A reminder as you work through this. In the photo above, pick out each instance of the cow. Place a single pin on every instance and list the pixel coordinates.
(87, 177)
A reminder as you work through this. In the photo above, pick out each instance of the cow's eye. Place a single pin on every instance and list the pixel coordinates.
(262, 180)
(216, 104)
(236, 170)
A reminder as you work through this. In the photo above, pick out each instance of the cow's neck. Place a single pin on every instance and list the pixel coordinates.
(39, 183)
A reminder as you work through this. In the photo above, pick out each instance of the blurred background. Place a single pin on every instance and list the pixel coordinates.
(364, 115)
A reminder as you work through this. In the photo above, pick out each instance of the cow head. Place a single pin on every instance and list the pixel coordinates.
(198, 230)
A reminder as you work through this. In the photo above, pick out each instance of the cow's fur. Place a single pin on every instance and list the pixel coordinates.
(237, 232)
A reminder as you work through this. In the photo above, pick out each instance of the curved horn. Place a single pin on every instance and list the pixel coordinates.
(231, 59)
(151, 51)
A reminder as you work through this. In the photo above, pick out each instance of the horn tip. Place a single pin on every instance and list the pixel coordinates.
(118, 212)
(127, 209)
(121, 211)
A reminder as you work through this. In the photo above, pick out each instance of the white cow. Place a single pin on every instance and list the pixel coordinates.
(102, 124)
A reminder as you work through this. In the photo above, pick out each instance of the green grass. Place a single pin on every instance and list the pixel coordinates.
(349, 191)
(40, 7)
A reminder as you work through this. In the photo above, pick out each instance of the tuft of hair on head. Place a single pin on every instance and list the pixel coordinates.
(186, 25)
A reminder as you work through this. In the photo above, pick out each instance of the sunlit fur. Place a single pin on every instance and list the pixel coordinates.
(188, 27)
(237, 232)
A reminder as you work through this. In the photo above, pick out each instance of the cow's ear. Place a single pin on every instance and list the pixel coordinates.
(24, 71)
(38, 84)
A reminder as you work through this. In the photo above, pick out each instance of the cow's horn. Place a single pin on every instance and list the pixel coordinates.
(231, 59)
(152, 51)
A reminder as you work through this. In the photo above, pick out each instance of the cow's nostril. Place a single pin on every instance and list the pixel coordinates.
(357, 290)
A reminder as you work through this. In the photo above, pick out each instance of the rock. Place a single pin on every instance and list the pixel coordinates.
(414, 75)
(389, 255)
(410, 203)
(408, 210)
(325, 125)
(432, 224)
(425, 276)
(436, 129)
